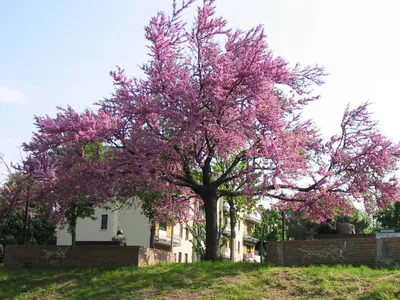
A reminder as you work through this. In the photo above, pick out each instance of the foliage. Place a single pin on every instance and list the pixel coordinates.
(299, 227)
(270, 228)
(390, 217)
(361, 221)
(80, 209)
(204, 280)
(214, 94)
(198, 234)
(84, 204)
(14, 192)
(40, 226)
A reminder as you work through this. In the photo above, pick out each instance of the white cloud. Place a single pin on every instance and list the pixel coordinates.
(11, 95)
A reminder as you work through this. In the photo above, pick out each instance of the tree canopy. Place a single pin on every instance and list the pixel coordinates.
(390, 217)
(212, 94)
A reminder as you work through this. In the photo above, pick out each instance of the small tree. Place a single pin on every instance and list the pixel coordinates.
(390, 217)
(80, 209)
(298, 226)
(14, 193)
(270, 228)
(198, 233)
(361, 221)
(41, 226)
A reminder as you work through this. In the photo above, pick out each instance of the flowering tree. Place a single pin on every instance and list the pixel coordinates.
(13, 192)
(212, 94)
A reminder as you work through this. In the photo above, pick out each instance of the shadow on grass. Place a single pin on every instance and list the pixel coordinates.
(106, 282)
(16, 282)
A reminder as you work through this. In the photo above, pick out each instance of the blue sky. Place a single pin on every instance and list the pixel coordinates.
(60, 52)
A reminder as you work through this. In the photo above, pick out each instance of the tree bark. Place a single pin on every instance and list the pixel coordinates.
(212, 241)
(152, 234)
(73, 238)
(26, 223)
(232, 216)
(73, 229)
(29, 232)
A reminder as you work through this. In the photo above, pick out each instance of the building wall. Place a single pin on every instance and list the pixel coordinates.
(136, 229)
(239, 238)
(135, 225)
(248, 229)
(370, 251)
(186, 247)
(239, 231)
(28, 256)
(90, 230)
(183, 248)
(242, 225)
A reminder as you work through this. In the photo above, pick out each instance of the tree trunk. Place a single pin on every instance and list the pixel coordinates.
(29, 232)
(73, 236)
(232, 216)
(73, 229)
(212, 241)
(26, 223)
(152, 234)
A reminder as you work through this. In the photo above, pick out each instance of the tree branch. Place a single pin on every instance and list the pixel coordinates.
(224, 177)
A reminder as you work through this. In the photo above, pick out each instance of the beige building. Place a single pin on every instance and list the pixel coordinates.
(244, 248)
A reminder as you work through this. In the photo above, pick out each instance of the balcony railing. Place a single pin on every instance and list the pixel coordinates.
(227, 253)
(226, 206)
(251, 257)
(247, 237)
(227, 229)
(253, 217)
(163, 237)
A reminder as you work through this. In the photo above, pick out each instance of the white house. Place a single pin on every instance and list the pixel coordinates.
(136, 229)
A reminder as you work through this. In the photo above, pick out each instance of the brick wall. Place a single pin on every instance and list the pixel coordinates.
(370, 251)
(21, 256)
(336, 236)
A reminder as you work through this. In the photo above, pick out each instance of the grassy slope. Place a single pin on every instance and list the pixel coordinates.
(223, 280)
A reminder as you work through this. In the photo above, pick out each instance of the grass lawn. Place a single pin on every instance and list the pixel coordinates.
(205, 280)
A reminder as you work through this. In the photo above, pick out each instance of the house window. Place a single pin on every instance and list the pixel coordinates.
(238, 246)
(248, 249)
(181, 233)
(186, 258)
(187, 233)
(239, 225)
(104, 222)
(163, 226)
(180, 257)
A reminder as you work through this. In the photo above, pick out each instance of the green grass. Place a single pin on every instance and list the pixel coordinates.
(205, 280)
